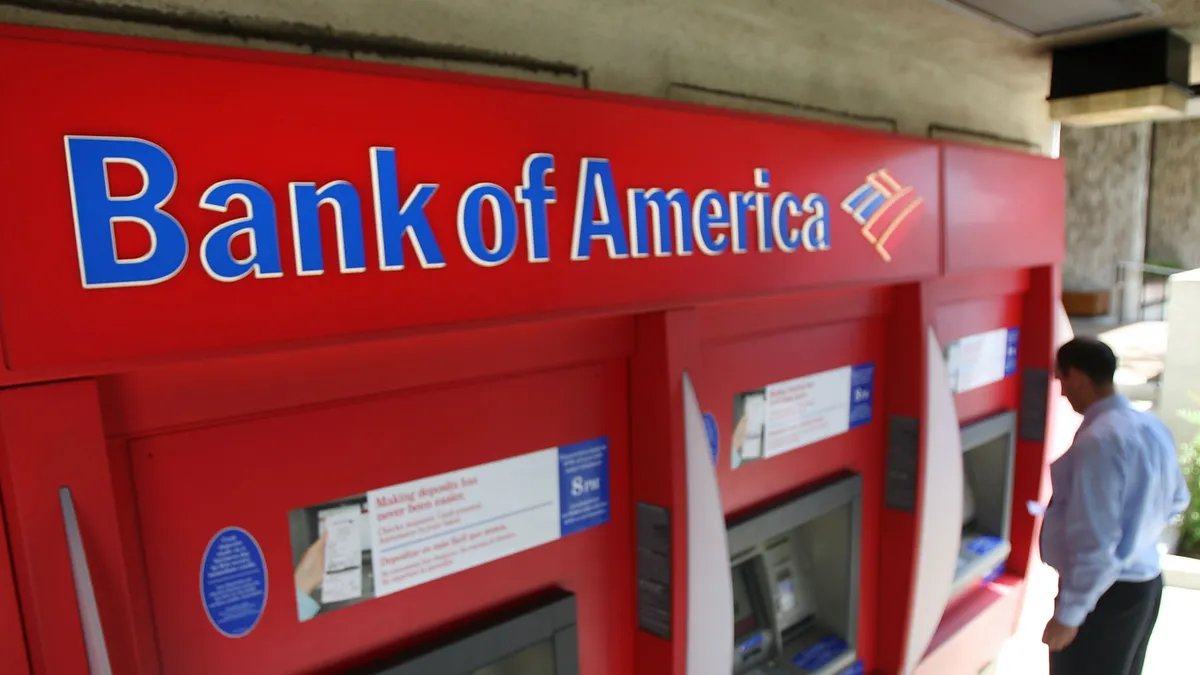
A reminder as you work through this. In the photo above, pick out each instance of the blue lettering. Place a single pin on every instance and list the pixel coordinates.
(534, 195)
(816, 232)
(597, 192)
(393, 221)
(655, 203)
(743, 204)
(307, 201)
(710, 211)
(786, 238)
(763, 210)
(470, 225)
(97, 212)
(216, 251)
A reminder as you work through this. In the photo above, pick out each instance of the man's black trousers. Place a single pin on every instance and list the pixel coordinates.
(1114, 637)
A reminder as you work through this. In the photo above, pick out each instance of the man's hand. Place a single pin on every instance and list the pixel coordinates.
(311, 570)
(739, 435)
(1057, 636)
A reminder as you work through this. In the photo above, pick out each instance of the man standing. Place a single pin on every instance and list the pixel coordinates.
(1115, 490)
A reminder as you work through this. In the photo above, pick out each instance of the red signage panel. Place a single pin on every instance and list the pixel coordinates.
(163, 198)
(1004, 209)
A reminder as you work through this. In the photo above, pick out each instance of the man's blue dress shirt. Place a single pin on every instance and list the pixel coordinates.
(1115, 491)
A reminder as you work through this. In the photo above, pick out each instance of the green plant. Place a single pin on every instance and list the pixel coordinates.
(1189, 460)
(1189, 526)
(1164, 262)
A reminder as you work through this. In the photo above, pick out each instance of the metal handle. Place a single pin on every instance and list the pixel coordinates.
(85, 595)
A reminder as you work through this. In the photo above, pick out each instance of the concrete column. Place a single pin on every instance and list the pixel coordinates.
(1174, 232)
(1181, 369)
(1108, 173)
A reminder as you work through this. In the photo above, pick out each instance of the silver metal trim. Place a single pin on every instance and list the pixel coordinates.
(85, 594)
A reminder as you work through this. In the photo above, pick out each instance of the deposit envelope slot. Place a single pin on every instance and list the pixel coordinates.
(541, 641)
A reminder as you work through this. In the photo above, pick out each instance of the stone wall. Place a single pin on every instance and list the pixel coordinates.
(1174, 228)
(1108, 170)
(911, 66)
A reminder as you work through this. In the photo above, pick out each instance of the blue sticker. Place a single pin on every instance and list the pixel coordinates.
(862, 394)
(821, 653)
(751, 643)
(994, 574)
(1010, 351)
(233, 582)
(983, 545)
(856, 669)
(714, 442)
(583, 485)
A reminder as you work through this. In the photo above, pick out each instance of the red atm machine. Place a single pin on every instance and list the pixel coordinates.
(315, 366)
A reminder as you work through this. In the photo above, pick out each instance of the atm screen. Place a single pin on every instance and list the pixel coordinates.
(988, 448)
(968, 500)
(535, 660)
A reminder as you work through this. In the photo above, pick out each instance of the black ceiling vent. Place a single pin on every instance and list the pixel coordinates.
(1136, 77)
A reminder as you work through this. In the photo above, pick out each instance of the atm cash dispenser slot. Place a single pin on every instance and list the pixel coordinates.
(542, 641)
(988, 455)
(795, 572)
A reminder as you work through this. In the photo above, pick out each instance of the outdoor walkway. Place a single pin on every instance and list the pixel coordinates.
(1141, 348)
(1172, 647)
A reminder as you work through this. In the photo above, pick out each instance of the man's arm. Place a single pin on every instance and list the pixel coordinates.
(1093, 530)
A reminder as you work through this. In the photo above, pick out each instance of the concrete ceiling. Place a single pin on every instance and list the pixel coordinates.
(1183, 16)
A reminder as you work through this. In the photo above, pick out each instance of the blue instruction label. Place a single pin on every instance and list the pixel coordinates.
(821, 653)
(856, 669)
(583, 485)
(714, 438)
(1010, 351)
(862, 394)
(233, 582)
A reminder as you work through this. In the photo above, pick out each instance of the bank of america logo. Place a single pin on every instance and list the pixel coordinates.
(881, 205)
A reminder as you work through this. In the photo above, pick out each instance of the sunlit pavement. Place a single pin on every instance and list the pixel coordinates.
(1172, 647)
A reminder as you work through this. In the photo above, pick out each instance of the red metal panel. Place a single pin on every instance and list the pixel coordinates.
(250, 474)
(1003, 209)
(186, 394)
(14, 657)
(1031, 473)
(52, 438)
(961, 319)
(912, 312)
(455, 132)
(976, 625)
(666, 348)
(975, 630)
(752, 363)
(750, 345)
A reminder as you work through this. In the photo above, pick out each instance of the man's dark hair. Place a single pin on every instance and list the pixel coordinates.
(1090, 357)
